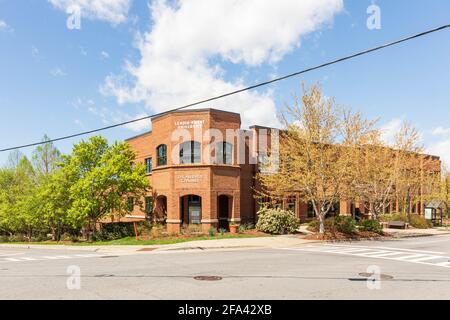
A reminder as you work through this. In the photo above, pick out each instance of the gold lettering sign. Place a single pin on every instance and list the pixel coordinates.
(191, 178)
(189, 124)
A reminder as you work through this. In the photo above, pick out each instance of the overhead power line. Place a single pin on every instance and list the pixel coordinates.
(261, 84)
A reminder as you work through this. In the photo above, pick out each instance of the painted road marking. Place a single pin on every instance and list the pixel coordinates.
(44, 258)
(395, 254)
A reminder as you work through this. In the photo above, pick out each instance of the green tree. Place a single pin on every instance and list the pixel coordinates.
(46, 157)
(102, 178)
(53, 201)
(18, 185)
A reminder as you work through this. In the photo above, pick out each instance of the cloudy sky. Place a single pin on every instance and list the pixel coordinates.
(131, 58)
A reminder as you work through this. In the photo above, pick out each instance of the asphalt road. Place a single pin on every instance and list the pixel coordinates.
(417, 268)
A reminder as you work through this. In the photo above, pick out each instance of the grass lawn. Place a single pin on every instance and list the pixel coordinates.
(131, 241)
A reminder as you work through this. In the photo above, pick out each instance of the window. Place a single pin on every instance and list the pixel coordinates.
(311, 211)
(190, 152)
(148, 165)
(130, 204)
(148, 205)
(161, 152)
(291, 207)
(224, 153)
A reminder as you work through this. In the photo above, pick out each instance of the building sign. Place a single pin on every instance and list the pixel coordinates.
(428, 213)
(189, 124)
(191, 178)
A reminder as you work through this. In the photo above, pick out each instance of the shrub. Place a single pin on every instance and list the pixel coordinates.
(345, 224)
(371, 225)
(192, 229)
(277, 221)
(222, 231)
(246, 227)
(212, 232)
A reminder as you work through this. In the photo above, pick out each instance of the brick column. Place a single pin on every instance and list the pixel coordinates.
(209, 211)
(173, 214)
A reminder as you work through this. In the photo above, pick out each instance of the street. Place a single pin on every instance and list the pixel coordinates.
(412, 268)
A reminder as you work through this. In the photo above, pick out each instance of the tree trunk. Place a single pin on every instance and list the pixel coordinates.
(321, 224)
(52, 228)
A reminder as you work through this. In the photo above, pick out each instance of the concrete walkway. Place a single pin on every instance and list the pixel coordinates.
(221, 244)
(416, 232)
(232, 244)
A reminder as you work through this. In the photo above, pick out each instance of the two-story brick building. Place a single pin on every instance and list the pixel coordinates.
(202, 169)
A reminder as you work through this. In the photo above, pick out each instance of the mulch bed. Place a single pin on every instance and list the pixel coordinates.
(338, 236)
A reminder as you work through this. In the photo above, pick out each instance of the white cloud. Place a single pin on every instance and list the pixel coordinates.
(441, 149)
(111, 117)
(113, 11)
(35, 52)
(4, 27)
(83, 51)
(58, 72)
(104, 55)
(390, 129)
(440, 131)
(176, 54)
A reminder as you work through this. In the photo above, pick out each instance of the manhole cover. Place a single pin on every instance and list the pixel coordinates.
(381, 276)
(208, 278)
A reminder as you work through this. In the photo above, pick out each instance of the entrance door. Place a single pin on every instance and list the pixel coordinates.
(224, 210)
(195, 209)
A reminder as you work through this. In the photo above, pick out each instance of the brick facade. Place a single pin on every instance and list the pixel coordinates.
(206, 192)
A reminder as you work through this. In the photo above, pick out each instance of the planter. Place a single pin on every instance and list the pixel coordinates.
(234, 229)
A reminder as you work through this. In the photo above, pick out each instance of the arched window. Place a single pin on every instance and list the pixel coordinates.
(161, 153)
(190, 152)
(224, 153)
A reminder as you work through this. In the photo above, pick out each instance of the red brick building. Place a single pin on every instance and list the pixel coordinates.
(202, 169)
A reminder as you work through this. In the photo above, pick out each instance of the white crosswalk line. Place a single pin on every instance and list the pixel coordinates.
(408, 256)
(43, 258)
(28, 259)
(394, 254)
(354, 250)
(426, 258)
(369, 254)
(12, 259)
(387, 254)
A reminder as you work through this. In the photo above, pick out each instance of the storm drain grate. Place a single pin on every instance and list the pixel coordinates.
(381, 276)
(146, 249)
(208, 278)
(109, 257)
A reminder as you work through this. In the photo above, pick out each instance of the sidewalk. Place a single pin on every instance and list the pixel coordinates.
(403, 233)
(232, 244)
(221, 244)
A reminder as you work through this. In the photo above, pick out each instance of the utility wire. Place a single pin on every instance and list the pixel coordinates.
(261, 84)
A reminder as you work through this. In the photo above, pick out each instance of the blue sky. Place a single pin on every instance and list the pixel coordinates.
(139, 57)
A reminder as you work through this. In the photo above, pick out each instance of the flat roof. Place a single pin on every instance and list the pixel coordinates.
(193, 110)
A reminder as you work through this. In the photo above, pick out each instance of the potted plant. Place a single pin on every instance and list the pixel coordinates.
(234, 227)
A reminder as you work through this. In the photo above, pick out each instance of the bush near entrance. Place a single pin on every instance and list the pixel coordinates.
(277, 221)
(342, 224)
(371, 225)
